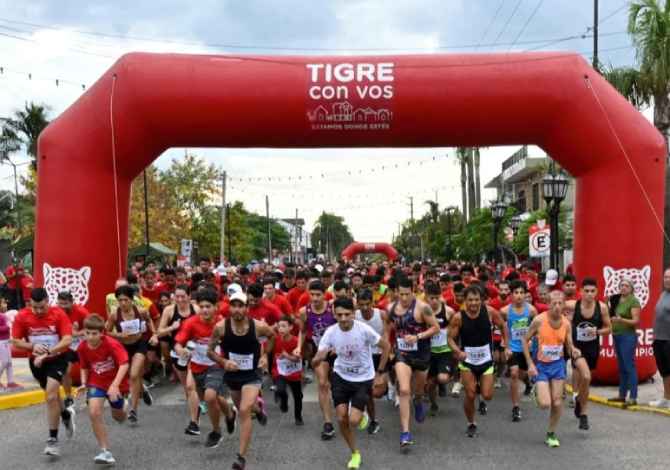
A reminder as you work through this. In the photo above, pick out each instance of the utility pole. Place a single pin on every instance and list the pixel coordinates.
(230, 239)
(297, 240)
(595, 34)
(222, 251)
(267, 217)
(146, 218)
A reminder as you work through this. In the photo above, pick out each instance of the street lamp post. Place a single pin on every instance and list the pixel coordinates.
(498, 209)
(554, 189)
(515, 223)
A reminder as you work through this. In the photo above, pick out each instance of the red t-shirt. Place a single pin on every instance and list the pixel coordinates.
(305, 298)
(199, 331)
(224, 308)
(293, 297)
(498, 303)
(77, 315)
(280, 302)
(103, 363)
(540, 307)
(48, 329)
(154, 293)
(265, 311)
(284, 346)
(383, 303)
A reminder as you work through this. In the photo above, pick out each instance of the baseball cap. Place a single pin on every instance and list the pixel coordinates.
(551, 278)
(239, 296)
(319, 268)
(233, 289)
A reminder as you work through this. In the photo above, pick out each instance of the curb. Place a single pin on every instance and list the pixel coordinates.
(603, 401)
(24, 399)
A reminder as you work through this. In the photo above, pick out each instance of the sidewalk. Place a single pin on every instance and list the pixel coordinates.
(29, 393)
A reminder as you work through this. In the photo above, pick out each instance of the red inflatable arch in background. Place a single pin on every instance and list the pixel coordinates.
(356, 248)
(147, 103)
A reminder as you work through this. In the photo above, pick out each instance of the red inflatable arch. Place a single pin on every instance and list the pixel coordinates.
(147, 103)
(356, 248)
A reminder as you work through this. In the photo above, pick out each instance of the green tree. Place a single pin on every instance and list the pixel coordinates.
(649, 82)
(434, 231)
(330, 235)
(279, 236)
(29, 123)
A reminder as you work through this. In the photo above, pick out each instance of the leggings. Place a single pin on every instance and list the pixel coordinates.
(624, 346)
(6, 360)
(296, 391)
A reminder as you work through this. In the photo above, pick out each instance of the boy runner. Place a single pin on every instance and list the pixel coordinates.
(287, 368)
(103, 369)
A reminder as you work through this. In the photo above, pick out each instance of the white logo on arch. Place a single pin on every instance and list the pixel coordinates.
(640, 278)
(57, 279)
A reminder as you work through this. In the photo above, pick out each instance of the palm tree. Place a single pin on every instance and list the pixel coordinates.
(28, 123)
(649, 27)
(434, 211)
(478, 189)
(462, 155)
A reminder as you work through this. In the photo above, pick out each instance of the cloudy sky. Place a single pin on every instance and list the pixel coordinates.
(74, 42)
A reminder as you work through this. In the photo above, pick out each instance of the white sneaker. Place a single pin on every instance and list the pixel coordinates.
(390, 395)
(571, 400)
(456, 389)
(498, 384)
(69, 424)
(660, 403)
(52, 448)
(105, 458)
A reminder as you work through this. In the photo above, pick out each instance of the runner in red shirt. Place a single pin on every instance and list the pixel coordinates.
(76, 314)
(570, 288)
(259, 308)
(271, 294)
(104, 376)
(287, 368)
(294, 294)
(502, 300)
(47, 333)
(204, 379)
(150, 288)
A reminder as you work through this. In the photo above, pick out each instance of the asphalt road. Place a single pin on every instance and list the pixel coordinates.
(617, 439)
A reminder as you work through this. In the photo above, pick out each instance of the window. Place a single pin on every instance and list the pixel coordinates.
(536, 196)
(521, 201)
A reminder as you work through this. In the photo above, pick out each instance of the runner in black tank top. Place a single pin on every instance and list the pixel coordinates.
(238, 338)
(414, 324)
(472, 328)
(590, 321)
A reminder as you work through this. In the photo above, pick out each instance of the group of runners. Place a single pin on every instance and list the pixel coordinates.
(365, 331)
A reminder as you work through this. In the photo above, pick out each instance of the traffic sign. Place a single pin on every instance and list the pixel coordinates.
(539, 239)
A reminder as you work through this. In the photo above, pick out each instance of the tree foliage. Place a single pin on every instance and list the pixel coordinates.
(330, 235)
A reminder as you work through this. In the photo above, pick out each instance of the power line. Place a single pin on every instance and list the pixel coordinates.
(508, 21)
(256, 47)
(525, 25)
(613, 13)
(493, 19)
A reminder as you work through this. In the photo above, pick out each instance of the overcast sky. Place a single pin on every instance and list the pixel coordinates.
(76, 41)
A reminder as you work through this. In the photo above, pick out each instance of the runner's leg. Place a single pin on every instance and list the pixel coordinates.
(136, 373)
(95, 411)
(583, 382)
(404, 377)
(248, 396)
(323, 380)
(556, 388)
(54, 403)
(470, 388)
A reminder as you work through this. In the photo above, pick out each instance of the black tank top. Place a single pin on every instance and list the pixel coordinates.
(441, 317)
(475, 332)
(241, 348)
(406, 324)
(176, 315)
(579, 322)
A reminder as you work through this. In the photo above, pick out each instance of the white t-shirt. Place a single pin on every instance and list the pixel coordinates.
(354, 350)
(376, 323)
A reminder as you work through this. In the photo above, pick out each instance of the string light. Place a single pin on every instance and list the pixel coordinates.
(31, 76)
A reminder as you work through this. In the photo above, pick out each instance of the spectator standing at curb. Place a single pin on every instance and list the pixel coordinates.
(662, 341)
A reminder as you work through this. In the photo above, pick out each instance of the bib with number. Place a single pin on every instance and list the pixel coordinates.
(478, 355)
(47, 340)
(552, 353)
(132, 327)
(76, 341)
(439, 340)
(518, 334)
(586, 333)
(405, 346)
(243, 361)
(199, 354)
(288, 367)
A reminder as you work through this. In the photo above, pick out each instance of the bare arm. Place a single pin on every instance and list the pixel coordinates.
(454, 331)
(532, 331)
(607, 321)
(214, 341)
(166, 317)
(430, 320)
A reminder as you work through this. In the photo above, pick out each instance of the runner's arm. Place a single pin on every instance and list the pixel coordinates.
(532, 331)
(607, 321)
(574, 352)
(570, 309)
(386, 351)
(163, 329)
(454, 331)
(497, 319)
(430, 320)
(214, 341)
(110, 326)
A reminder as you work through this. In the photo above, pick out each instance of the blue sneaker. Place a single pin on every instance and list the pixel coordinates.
(406, 439)
(419, 411)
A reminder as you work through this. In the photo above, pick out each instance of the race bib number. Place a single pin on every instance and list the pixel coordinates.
(76, 341)
(288, 367)
(47, 340)
(351, 369)
(586, 333)
(243, 361)
(439, 340)
(518, 334)
(199, 355)
(132, 327)
(478, 355)
(552, 353)
(405, 346)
